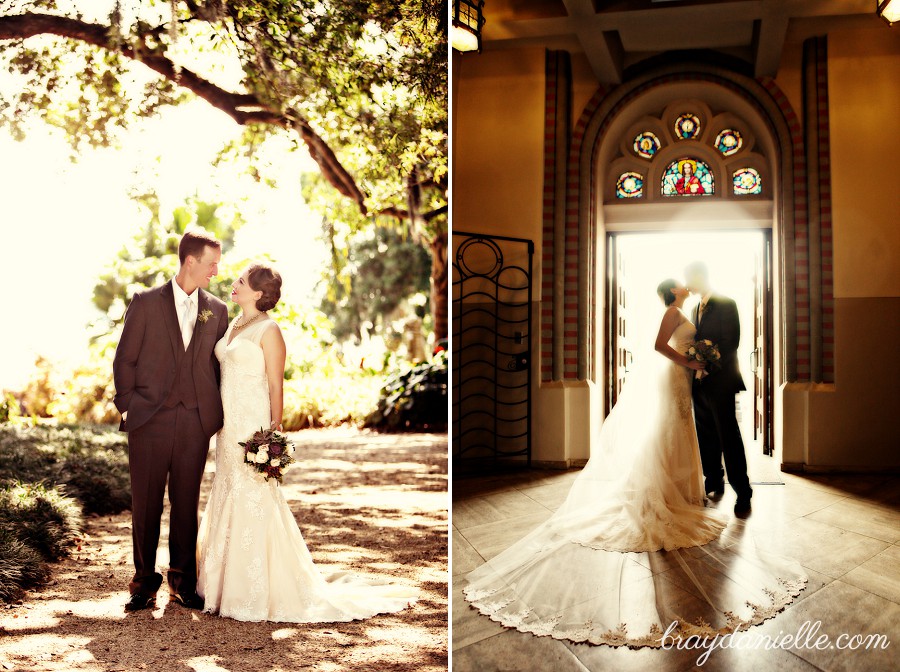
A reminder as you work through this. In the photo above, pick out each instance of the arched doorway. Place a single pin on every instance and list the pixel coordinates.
(581, 208)
(699, 169)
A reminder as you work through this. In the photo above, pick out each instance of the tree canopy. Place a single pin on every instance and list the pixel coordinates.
(363, 83)
(380, 271)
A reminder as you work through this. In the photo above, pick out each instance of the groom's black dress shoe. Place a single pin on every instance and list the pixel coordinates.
(742, 506)
(716, 492)
(137, 602)
(187, 600)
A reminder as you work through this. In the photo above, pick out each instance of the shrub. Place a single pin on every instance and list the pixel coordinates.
(40, 517)
(38, 522)
(20, 566)
(99, 480)
(414, 399)
(9, 408)
(317, 401)
(92, 462)
(22, 458)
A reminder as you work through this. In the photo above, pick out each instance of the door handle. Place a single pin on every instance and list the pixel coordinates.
(629, 359)
(518, 362)
(754, 361)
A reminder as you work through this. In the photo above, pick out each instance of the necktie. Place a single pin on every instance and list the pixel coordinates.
(187, 327)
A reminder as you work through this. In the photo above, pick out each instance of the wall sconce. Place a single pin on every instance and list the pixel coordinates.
(468, 18)
(889, 10)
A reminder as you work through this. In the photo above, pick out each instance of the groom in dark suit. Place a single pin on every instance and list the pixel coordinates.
(716, 319)
(167, 389)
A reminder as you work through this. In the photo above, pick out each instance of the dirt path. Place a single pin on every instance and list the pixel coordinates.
(372, 503)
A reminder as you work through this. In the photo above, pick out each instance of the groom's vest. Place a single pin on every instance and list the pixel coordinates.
(183, 390)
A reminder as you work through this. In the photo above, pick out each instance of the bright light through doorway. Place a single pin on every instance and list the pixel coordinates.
(650, 258)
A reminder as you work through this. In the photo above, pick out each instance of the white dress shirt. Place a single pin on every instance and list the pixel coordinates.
(186, 328)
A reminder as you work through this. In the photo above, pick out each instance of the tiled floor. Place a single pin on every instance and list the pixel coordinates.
(845, 530)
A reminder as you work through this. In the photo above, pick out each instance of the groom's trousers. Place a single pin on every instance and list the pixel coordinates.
(171, 446)
(719, 436)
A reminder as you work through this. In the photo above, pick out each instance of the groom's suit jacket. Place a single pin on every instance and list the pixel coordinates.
(721, 325)
(151, 349)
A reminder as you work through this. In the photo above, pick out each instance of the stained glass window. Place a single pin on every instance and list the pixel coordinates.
(687, 177)
(729, 141)
(630, 185)
(646, 145)
(747, 181)
(687, 126)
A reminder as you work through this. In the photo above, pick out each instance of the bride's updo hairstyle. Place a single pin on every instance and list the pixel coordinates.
(267, 280)
(665, 291)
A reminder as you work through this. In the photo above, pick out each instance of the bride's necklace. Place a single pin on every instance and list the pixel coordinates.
(239, 326)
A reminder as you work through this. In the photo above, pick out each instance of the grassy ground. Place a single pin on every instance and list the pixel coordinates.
(376, 504)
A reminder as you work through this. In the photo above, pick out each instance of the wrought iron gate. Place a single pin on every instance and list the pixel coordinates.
(491, 350)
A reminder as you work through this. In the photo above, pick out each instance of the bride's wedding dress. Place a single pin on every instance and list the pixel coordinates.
(253, 561)
(628, 554)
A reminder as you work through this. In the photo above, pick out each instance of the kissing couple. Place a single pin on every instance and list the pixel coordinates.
(183, 374)
(639, 551)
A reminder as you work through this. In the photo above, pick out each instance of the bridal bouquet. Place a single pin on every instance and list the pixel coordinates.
(269, 453)
(704, 351)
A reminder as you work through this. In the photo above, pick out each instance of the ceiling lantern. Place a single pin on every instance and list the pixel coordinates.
(468, 18)
(889, 10)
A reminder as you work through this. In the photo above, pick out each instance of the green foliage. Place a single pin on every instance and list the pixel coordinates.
(369, 76)
(91, 462)
(151, 258)
(100, 480)
(21, 567)
(24, 456)
(48, 476)
(89, 93)
(363, 84)
(41, 517)
(40, 390)
(372, 278)
(414, 399)
(9, 408)
(327, 400)
(81, 394)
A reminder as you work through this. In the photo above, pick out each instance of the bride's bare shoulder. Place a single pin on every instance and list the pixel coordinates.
(272, 329)
(675, 317)
(673, 314)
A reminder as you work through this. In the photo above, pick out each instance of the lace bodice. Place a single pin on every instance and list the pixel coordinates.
(245, 394)
(243, 356)
(684, 334)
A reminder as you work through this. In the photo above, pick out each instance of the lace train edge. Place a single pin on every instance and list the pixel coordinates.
(619, 636)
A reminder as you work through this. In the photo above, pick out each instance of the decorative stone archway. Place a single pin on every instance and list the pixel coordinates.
(575, 180)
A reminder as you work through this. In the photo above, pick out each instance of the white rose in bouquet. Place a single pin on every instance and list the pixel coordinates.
(262, 457)
(250, 457)
(289, 449)
(275, 462)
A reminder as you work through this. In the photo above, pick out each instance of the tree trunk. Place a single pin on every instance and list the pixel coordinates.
(439, 285)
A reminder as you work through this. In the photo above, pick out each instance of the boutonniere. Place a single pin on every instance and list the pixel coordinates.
(205, 315)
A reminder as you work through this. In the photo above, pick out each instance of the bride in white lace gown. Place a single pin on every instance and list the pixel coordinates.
(253, 562)
(627, 557)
